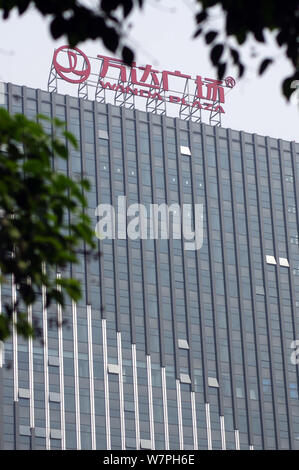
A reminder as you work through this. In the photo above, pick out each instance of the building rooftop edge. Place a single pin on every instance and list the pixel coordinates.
(146, 112)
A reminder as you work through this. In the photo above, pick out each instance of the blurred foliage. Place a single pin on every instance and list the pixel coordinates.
(43, 224)
(241, 19)
(79, 21)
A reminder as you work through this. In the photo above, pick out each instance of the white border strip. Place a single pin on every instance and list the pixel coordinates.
(237, 439)
(136, 402)
(106, 384)
(194, 423)
(165, 410)
(150, 401)
(61, 376)
(46, 370)
(76, 375)
(15, 341)
(91, 378)
(222, 430)
(180, 419)
(208, 423)
(31, 375)
(121, 392)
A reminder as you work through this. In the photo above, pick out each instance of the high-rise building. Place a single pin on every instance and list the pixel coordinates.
(169, 348)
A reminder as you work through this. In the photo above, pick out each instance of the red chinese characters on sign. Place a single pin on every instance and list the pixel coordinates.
(115, 63)
(148, 72)
(65, 72)
(165, 75)
(143, 81)
(214, 89)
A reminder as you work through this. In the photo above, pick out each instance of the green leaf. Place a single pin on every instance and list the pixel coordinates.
(197, 33)
(4, 326)
(200, 17)
(37, 204)
(216, 53)
(127, 55)
(221, 70)
(264, 65)
(210, 36)
(71, 138)
(235, 55)
(287, 90)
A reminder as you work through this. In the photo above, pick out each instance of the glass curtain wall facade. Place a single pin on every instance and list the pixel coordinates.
(168, 348)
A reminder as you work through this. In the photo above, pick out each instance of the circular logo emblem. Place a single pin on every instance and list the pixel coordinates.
(230, 82)
(72, 65)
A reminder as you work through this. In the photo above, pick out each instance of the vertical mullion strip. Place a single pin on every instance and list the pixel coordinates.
(156, 247)
(31, 376)
(240, 297)
(170, 249)
(106, 383)
(76, 375)
(15, 340)
(157, 261)
(212, 273)
(208, 424)
(150, 400)
(46, 367)
(226, 290)
(265, 276)
(165, 410)
(171, 270)
(129, 251)
(91, 378)
(252, 276)
(136, 401)
(237, 439)
(29, 312)
(222, 429)
(199, 284)
(114, 240)
(61, 371)
(121, 392)
(15, 365)
(98, 178)
(83, 173)
(296, 180)
(143, 263)
(45, 333)
(185, 270)
(74, 307)
(194, 421)
(296, 197)
(16, 425)
(278, 283)
(179, 409)
(14, 334)
(295, 324)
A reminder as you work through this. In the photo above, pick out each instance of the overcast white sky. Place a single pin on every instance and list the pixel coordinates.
(162, 36)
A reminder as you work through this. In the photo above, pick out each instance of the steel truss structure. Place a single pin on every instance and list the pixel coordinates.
(126, 94)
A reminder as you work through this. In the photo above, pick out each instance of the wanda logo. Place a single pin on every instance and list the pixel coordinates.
(66, 72)
(230, 82)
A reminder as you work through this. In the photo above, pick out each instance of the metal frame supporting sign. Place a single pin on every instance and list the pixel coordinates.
(106, 79)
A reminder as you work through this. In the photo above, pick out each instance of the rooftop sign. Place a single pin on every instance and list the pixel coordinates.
(107, 79)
